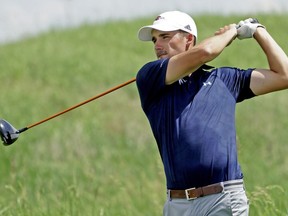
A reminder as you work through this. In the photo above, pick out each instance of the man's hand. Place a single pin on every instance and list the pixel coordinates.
(231, 28)
(247, 28)
(225, 29)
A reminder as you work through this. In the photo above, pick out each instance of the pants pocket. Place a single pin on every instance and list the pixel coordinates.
(239, 203)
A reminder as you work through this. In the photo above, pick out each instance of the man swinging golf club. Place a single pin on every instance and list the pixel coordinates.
(191, 110)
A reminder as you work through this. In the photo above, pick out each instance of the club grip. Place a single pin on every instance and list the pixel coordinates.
(254, 20)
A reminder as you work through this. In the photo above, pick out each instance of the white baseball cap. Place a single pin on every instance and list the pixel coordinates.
(169, 21)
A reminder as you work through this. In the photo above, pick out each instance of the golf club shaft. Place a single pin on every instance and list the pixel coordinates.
(78, 105)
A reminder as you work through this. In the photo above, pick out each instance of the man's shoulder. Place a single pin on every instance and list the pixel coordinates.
(152, 68)
(156, 63)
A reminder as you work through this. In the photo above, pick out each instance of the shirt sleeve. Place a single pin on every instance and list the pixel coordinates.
(238, 82)
(150, 81)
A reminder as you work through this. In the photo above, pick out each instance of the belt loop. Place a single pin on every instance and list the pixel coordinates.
(223, 186)
(169, 195)
(202, 192)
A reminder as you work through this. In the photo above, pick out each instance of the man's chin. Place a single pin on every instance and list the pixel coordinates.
(163, 57)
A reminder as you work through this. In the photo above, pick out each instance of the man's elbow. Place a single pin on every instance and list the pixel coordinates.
(208, 53)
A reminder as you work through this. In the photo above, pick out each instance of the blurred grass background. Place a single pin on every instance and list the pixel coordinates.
(101, 159)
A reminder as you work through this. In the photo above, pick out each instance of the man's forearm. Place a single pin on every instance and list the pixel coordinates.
(277, 59)
(187, 62)
(216, 44)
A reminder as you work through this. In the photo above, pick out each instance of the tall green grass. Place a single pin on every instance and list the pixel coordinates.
(101, 159)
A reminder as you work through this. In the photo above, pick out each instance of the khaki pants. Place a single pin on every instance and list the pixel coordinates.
(231, 202)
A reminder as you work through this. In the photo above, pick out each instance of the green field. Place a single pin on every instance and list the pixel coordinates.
(101, 159)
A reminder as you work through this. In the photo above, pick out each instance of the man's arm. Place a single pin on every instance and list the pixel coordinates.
(276, 77)
(187, 62)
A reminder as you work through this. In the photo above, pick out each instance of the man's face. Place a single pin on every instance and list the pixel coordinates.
(168, 44)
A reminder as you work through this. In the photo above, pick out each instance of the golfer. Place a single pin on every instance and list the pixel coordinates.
(191, 109)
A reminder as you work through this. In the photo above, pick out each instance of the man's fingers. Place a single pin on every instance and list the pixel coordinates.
(249, 20)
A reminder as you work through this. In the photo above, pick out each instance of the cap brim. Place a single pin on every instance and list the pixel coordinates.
(145, 33)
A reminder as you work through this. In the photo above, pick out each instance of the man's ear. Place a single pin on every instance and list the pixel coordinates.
(191, 40)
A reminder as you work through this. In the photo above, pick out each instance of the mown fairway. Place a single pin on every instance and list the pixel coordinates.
(101, 159)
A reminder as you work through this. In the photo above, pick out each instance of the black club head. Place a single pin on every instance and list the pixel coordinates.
(8, 133)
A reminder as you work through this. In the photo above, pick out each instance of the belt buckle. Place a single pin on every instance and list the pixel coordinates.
(188, 196)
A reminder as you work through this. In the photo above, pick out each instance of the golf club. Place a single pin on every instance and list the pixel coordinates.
(9, 134)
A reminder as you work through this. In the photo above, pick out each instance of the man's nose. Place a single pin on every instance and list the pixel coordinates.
(158, 46)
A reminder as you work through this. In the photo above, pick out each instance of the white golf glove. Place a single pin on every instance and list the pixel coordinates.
(247, 28)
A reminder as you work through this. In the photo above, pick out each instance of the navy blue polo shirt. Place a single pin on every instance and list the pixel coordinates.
(193, 122)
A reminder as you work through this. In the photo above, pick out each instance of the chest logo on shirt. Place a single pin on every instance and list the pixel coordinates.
(207, 83)
(182, 81)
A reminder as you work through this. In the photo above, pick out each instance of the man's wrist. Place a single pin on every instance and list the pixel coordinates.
(235, 32)
(259, 29)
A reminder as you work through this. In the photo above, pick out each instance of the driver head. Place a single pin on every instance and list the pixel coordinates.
(8, 133)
